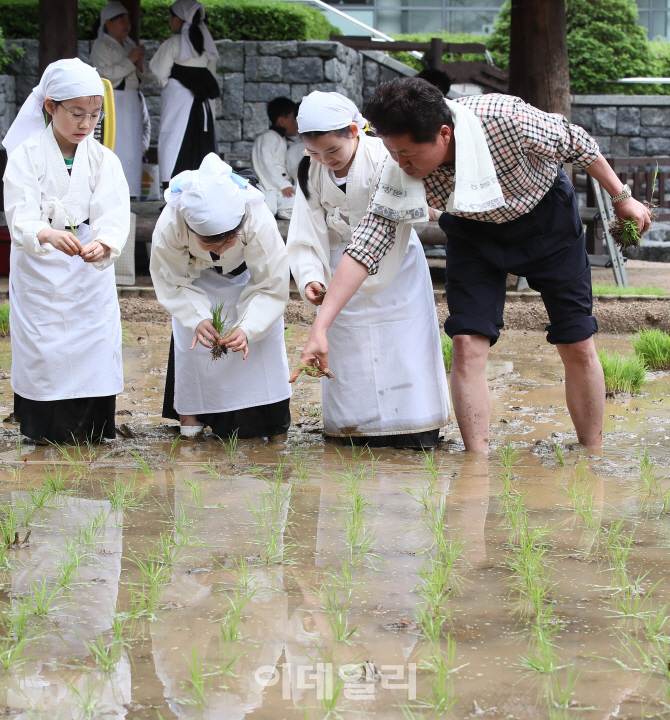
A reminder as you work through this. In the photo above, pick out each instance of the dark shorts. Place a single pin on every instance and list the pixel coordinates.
(546, 246)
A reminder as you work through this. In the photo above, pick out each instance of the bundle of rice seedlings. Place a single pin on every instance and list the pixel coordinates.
(223, 327)
(447, 351)
(625, 233)
(4, 318)
(652, 346)
(623, 374)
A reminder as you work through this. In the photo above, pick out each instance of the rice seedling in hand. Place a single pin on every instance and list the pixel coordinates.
(447, 351)
(652, 346)
(224, 327)
(622, 374)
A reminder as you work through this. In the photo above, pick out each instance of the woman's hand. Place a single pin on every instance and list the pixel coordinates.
(62, 240)
(237, 341)
(94, 252)
(315, 355)
(288, 192)
(632, 209)
(136, 56)
(315, 292)
(205, 334)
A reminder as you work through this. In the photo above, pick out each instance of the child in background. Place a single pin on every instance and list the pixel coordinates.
(68, 211)
(117, 58)
(269, 157)
(217, 243)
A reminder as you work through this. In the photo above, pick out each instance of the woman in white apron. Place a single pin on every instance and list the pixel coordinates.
(391, 386)
(217, 242)
(68, 211)
(185, 67)
(117, 58)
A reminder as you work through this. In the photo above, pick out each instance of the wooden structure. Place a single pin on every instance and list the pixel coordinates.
(59, 32)
(489, 77)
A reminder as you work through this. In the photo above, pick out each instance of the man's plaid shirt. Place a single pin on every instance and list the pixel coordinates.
(527, 147)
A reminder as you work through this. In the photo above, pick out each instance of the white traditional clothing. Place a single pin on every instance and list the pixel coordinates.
(110, 58)
(385, 348)
(269, 157)
(64, 313)
(187, 120)
(188, 286)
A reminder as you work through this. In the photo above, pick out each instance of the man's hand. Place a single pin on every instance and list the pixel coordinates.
(94, 252)
(288, 192)
(62, 240)
(205, 334)
(632, 209)
(315, 292)
(315, 355)
(237, 341)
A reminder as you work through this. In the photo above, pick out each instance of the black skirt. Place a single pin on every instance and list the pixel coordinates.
(197, 142)
(260, 421)
(419, 441)
(66, 421)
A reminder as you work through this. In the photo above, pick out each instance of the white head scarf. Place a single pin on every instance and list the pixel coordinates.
(62, 80)
(212, 198)
(111, 10)
(186, 10)
(326, 111)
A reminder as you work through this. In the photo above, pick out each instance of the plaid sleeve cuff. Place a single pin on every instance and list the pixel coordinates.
(584, 148)
(363, 255)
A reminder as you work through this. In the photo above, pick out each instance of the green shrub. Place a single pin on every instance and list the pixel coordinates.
(7, 56)
(229, 19)
(447, 351)
(605, 43)
(622, 374)
(4, 318)
(619, 290)
(415, 63)
(652, 346)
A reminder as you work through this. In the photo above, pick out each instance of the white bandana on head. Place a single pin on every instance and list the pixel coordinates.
(186, 10)
(326, 111)
(62, 80)
(212, 198)
(111, 10)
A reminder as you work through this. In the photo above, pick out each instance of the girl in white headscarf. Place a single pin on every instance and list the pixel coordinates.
(385, 352)
(68, 211)
(185, 67)
(216, 242)
(117, 58)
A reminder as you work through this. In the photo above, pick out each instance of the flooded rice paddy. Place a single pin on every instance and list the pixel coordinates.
(155, 578)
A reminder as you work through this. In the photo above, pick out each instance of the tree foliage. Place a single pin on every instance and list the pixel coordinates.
(230, 19)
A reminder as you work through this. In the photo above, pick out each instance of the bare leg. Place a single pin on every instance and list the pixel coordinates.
(470, 391)
(584, 390)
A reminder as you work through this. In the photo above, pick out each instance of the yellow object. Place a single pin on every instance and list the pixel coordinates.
(109, 122)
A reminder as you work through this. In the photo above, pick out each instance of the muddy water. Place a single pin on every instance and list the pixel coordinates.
(230, 584)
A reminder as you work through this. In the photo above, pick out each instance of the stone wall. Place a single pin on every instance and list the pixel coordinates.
(7, 102)
(250, 74)
(625, 125)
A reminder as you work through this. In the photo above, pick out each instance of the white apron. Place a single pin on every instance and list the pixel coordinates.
(205, 386)
(385, 353)
(66, 326)
(176, 104)
(129, 135)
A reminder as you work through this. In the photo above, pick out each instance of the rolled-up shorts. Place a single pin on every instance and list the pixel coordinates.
(546, 246)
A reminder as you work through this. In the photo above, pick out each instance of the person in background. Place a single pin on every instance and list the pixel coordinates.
(270, 157)
(68, 211)
(438, 78)
(385, 395)
(185, 67)
(217, 244)
(118, 59)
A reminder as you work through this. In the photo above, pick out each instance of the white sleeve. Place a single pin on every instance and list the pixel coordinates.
(146, 125)
(23, 208)
(269, 161)
(308, 244)
(109, 210)
(109, 63)
(173, 274)
(161, 63)
(264, 298)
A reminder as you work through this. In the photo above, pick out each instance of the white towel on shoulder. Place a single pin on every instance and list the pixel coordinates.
(402, 198)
